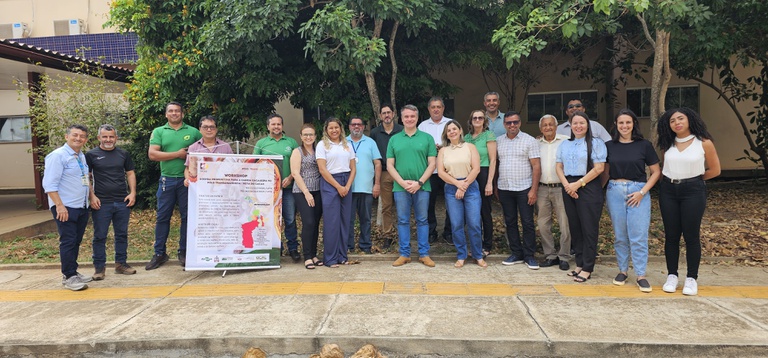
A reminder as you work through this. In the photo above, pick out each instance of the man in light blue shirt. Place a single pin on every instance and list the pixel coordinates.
(495, 117)
(65, 180)
(366, 185)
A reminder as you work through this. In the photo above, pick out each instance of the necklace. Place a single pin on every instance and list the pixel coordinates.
(683, 140)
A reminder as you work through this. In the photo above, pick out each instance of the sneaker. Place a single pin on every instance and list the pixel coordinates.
(99, 274)
(691, 288)
(157, 261)
(620, 279)
(182, 258)
(643, 285)
(402, 260)
(671, 285)
(84, 278)
(74, 283)
(532, 264)
(512, 260)
(124, 269)
(427, 261)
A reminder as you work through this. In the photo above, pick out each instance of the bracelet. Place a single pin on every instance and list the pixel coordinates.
(583, 183)
(642, 192)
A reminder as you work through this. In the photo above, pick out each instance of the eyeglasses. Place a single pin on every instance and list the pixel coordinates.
(509, 123)
(478, 118)
(356, 124)
(307, 134)
(576, 105)
(207, 128)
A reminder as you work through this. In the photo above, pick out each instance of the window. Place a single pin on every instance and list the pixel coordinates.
(540, 104)
(639, 100)
(15, 129)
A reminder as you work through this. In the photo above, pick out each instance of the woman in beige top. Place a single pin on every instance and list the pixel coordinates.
(458, 164)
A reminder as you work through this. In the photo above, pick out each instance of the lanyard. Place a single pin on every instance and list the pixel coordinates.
(358, 145)
(84, 178)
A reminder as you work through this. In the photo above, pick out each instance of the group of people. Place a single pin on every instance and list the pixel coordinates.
(562, 171)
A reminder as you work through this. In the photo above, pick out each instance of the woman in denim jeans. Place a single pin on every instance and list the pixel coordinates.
(458, 164)
(690, 158)
(627, 197)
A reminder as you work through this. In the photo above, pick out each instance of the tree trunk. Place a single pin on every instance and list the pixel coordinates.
(393, 81)
(660, 79)
(370, 81)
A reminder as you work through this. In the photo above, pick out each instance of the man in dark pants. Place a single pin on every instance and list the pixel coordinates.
(168, 145)
(66, 182)
(113, 195)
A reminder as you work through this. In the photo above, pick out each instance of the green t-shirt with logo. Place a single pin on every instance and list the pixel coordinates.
(171, 140)
(284, 146)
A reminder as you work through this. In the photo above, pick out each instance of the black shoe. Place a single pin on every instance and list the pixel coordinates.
(550, 262)
(295, 255)
(432, 238)
(564, 265)
(387, 243)
(367, 252)
(448, 239)
(157, 261)
(183, 258)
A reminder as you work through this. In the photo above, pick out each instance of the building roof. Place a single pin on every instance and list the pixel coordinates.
(21, 52)
(111, 48)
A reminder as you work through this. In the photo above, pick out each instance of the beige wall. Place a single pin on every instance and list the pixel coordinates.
(16, 159)
(40, 14)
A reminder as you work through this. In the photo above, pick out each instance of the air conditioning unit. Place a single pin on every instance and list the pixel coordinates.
(68, 27)
(15, 30)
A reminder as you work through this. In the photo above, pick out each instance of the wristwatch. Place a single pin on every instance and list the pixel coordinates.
(420, 183)
(583, 183)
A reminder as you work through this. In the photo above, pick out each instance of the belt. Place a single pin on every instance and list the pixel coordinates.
(550, 185)
(682, 181)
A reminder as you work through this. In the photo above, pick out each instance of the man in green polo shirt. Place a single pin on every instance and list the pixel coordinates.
(277, 143)
(168, 145)
(410, 161)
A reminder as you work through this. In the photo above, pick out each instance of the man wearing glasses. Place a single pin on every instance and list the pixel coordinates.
(367, 183)
(519, 174)
(597, 129)
(208, 144)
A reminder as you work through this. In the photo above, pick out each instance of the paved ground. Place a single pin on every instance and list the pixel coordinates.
(412, 310)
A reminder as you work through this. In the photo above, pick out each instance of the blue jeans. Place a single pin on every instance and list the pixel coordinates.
(170, 191)
(118, 213)
(419, 201)
(630, 225)
(289, 217)
(70, 236)
(511, 203)
(465, 211)
(361, 204)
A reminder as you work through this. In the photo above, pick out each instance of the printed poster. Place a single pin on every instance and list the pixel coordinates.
(235, 212)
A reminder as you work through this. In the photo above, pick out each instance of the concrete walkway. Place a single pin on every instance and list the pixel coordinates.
(410, 311)
(19, 217)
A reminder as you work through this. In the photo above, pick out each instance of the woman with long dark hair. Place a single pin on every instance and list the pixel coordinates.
(690, 158)
(306, 192)
(580, 160)
(485, 141)
(627, 197)
(336, 162)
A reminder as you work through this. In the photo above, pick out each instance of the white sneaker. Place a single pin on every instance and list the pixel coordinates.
(74, 283)
(691, 288)
(84, 278)
(671, 285)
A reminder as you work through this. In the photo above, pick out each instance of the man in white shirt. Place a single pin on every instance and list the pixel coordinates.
(597, 129)
(434, 126)
(549, 199)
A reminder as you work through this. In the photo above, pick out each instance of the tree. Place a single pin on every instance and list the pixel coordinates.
(530, 26)
(711, 55)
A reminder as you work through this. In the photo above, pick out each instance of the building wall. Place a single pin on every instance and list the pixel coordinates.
(40, 14)
(15, 155)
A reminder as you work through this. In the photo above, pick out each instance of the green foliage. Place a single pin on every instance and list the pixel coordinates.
(82, 97)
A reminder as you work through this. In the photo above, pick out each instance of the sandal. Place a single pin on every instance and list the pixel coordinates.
(459, 264)
(574, 273)
(482, 263)
(317, 261)
(350, 262)
(332, 266)
(309, 265)
(581, 279)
